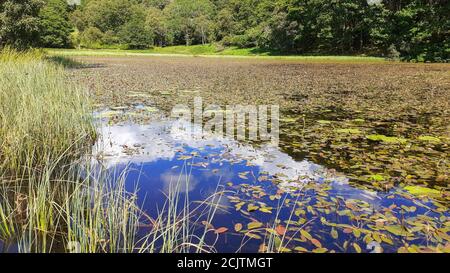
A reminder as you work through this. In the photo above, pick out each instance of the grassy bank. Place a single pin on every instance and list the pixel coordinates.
(46, 129)
(43, 117)
(210, 51)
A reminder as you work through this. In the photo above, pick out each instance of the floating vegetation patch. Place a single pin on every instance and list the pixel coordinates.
(386, 139)
(378, 136)
(273, 203)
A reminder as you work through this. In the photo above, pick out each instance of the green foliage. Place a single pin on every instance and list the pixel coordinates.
(135, 35)
(56, 28)
(421, 30)
(414, 30)
(189, 20)
(91, 37)
(19, 23)
(155, 25)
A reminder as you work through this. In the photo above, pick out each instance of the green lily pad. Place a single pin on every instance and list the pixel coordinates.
(348, 131)
(429, 138)
(386, 139)
(109, 114)
(377, 177)
(323, 121)
(397, 230)
(418, 190)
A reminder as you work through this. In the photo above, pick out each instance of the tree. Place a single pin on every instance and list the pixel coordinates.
(134, 32)
(113, 21)
(106, 15)
(415, 29)
(420, 29)
(186, 18)
(156, 26)
(56, 28)
(159, 4)
(19, 23)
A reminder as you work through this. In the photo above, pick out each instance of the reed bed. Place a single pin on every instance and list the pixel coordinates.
(52, 198)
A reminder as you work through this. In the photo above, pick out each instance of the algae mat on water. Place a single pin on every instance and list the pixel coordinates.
(384, 126)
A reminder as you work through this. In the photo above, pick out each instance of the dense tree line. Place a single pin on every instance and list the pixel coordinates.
(412, 29)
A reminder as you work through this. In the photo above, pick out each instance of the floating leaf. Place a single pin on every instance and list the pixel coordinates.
(377, 177)
(252, 207)
(300, 249)
(387, 240)
(281, 230)
(357, 233)
(348, 230)
(396, 230)
(277, 241)
(306, 234)
(255, 224)
(262, 248)
(323, 121)
(357, 247)
(418, 190)
(334, 233)
(221, 230)
(284, 249)
(299, 212)
(238, 227)
(316, 243)
(265, 209)
(386, 139)
(207, 224)
(253, 236)
(320, 250)
(109, 114)
(239, 205)
(243, 175)
(429, 138)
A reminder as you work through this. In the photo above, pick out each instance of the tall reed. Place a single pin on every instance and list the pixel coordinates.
(52, 199)
(42, 116)
(49, 197)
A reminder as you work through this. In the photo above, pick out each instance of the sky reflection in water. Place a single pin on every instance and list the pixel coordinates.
(154, 155)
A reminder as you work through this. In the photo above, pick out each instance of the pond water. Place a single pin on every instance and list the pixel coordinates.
(268, 201)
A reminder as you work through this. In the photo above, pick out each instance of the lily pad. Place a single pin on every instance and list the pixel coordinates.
(348, 131)
(109, 114)
(377, 177)
(253, 225)
(323, 121)
(429, 139)
(386, 139)
(418, 190)
(397, 230)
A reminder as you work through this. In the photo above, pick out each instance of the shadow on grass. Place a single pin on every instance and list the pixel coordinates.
(266, 52)
(71, 63)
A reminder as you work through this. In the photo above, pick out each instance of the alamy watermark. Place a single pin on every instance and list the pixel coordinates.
(239, 122)
(74, 2)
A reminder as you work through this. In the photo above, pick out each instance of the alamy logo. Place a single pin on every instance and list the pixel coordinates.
(240, 122)
(74, 2)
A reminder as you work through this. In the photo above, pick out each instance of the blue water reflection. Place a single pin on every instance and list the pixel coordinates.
(159, 155)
